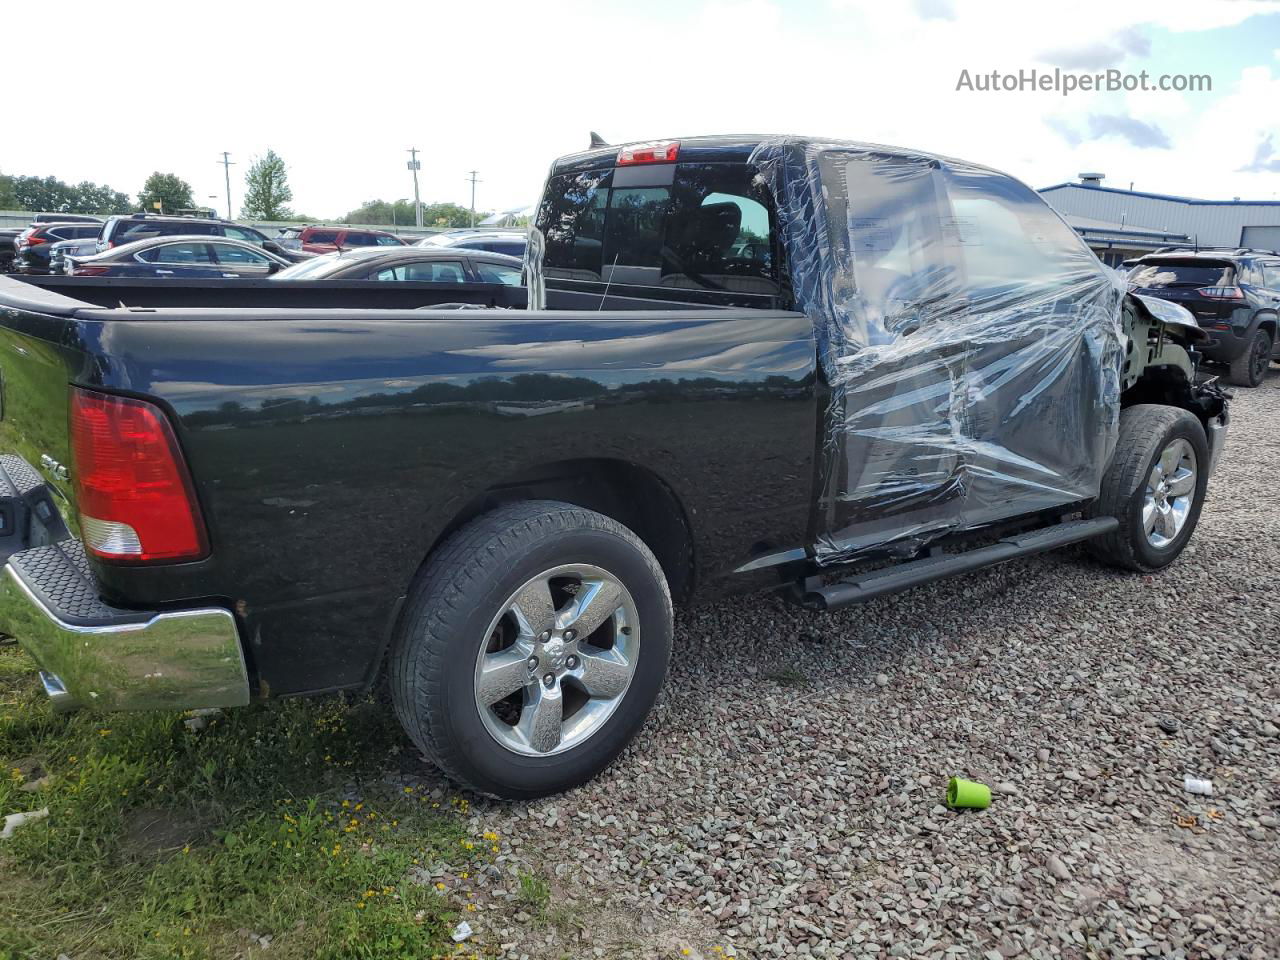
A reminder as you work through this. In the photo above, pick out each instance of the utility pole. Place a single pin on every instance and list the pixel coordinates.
(415, 166)
(474, 181)
(227, 162)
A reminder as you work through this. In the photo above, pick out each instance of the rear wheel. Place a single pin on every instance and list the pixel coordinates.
(1154, 486)
(1248, 369)
(532, 648)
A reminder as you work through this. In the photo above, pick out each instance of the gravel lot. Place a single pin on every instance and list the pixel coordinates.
(786, 797)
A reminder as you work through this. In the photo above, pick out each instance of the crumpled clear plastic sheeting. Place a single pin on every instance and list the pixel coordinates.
(971, 341)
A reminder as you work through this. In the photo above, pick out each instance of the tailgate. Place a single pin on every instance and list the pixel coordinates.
(40, 353)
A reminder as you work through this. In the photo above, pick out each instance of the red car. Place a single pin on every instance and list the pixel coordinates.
(329, 239)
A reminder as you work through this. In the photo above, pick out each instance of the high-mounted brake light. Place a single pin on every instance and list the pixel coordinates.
(134, 494)
(656, 151)
(1221, 293)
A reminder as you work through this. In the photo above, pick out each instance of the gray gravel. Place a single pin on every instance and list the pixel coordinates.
(786, 797)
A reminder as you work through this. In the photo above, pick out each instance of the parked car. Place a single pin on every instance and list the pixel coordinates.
(1233, 294)
(412, 264)
(180, 258)
(290, 238)
(63, 250)
(329, 239)
(8, 247)
(143, 226)
(34, 244)
(919, 370)
(66, 218)
(510, 242)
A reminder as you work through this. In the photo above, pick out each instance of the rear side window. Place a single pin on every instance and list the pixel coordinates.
(387, 241)
(322, 236)
(133, 230)
(358, 240)
(1171, 273)
(1270, 275)
(497, 273)
(243, 233)
(429, 271)
(177, 253)
(712, 227)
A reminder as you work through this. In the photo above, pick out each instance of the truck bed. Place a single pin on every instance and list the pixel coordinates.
(332, 446)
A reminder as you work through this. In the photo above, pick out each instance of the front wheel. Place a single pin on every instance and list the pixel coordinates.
(1155, 487)
(532, 647)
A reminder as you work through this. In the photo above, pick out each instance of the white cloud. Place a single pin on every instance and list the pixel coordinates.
(506, 86)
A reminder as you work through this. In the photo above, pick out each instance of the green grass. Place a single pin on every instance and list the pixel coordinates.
(162, 842)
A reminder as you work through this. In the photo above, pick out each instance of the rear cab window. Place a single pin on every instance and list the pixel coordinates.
(694, 226)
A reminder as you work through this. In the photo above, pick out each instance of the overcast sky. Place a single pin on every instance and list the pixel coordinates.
(340, 90)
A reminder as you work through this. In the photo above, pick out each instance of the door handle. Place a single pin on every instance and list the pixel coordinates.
(167, 273)
(233, 276)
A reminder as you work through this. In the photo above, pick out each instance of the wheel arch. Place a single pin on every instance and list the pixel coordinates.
(1267, 320)
(628, 492)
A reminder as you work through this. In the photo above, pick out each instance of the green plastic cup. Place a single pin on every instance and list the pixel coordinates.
(968, 794)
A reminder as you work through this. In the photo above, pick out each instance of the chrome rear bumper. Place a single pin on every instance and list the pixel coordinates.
(91, 654)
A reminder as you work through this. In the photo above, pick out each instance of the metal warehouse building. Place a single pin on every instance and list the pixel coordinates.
(1125, 223)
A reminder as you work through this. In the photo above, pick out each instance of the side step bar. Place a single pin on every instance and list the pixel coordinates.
(914, 573)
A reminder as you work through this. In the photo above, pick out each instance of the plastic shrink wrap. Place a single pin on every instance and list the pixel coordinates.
(971, 341)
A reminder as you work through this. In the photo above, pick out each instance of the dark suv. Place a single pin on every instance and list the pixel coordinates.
(144, 226)
(1234, 295)
(33, 245)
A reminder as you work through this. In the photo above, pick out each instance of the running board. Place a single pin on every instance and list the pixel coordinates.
(913, 573)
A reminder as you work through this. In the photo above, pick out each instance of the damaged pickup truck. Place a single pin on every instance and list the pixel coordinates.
(826, 368)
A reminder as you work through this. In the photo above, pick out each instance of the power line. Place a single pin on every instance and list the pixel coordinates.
(227, 163)
(472, 177)
(415, 166)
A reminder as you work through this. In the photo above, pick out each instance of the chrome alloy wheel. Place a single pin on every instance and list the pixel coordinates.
(1170, 493)
(557, 660)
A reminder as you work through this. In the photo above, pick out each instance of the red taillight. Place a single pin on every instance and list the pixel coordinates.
(1221, 293)
(656, 151)
(132, 488)
(35, 240)
(88, 271)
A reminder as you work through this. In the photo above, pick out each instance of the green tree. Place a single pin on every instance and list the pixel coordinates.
(8, 199)
(267, 190)
(167, 188)
(51, 195)
(400, 213)
(98, 198)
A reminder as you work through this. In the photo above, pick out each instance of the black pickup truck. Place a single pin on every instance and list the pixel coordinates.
(825, 368)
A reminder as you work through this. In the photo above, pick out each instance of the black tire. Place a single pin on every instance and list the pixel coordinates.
(1249, 369)
(457, 594)
(1146, 430)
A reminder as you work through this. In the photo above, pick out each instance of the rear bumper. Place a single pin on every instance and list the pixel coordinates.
(1224, 345)
(92, 654)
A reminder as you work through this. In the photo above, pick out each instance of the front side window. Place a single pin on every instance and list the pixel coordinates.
(177, 254)
(425, 271)
(1009, 240)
